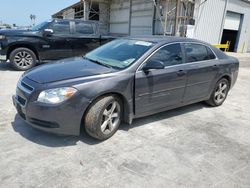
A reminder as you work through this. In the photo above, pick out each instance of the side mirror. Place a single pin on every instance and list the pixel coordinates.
(48, 31)
(153, 64)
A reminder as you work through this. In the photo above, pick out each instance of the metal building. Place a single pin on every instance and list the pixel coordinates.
(213, 21)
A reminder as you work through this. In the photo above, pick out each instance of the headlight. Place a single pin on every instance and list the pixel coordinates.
(55, 96)
(2, 37)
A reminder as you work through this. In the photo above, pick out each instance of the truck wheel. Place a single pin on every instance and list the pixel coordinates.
(103, 118)
(22, 59)
(219, 94)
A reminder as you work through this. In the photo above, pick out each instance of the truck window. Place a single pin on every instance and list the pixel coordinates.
(84, 28)
(61, 27)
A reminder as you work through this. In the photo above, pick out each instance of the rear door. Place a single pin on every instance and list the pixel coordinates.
(161, 88)
(84, 38)
(59, 43)
(202, 69)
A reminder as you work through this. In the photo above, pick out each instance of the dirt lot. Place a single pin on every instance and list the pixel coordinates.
(193, 146)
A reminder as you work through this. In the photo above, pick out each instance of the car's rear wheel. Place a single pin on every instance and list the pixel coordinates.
(219, 93)
(22, 59)
(103, 118)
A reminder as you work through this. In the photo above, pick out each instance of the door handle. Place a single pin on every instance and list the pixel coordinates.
(181, 73)
(215, 66)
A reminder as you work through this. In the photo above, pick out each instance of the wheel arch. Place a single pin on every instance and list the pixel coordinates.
(16, 46)
(228, 78)
(127, 118)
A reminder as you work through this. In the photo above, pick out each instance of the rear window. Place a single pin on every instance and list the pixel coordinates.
(210, 54)
(198, 52)
(84, 28)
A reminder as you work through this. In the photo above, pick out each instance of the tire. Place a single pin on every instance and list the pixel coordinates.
(104, 118)
(22, 59)
(219, 93)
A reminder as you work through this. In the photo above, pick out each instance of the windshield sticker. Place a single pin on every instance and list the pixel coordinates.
(128, 61)
(143, 43)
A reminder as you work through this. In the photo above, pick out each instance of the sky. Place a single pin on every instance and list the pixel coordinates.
(18, 11)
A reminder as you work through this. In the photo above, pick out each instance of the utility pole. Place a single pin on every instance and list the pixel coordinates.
(166, 17)
(177, 16)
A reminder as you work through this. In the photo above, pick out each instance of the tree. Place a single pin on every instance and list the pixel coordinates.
(33, 19)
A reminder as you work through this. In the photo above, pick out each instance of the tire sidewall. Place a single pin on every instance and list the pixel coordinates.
(106, 136)
(94, 128)
(13, 54)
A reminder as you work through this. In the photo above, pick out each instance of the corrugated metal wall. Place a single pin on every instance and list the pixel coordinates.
(119, 17)
(131, 17)
(208, 17)
(104, 17)
(142, 12)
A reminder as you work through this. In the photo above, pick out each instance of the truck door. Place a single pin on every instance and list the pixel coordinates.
(59, 41)
(85, 37)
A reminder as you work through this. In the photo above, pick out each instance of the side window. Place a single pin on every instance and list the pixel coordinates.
(168, 55)
(84, 28)
(210, 54)
(61, 27)
(198, 52)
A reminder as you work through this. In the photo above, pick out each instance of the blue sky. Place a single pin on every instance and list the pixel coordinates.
(18, 11)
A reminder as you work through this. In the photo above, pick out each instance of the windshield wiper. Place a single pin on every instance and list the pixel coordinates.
(98, 62)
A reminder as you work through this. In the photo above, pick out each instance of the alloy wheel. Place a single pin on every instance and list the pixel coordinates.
(221, 92)
(111, 118)
(23, 59)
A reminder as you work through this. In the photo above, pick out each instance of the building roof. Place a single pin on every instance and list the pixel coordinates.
(69, 7)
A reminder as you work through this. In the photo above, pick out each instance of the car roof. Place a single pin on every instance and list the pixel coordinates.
(164, 39)
(79, 20)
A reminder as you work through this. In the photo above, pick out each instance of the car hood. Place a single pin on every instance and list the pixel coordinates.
(66, 69)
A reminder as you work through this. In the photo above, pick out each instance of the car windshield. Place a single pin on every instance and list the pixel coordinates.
(40, 26)
(119, 53)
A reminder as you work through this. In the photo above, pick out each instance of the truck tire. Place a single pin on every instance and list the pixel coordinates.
(22, 59)
(219, 93)
(103, 118)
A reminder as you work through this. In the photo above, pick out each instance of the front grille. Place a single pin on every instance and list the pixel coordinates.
(26, 86)
(21, 100)
(22, 115)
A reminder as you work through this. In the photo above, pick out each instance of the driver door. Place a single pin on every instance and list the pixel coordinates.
(161, 88)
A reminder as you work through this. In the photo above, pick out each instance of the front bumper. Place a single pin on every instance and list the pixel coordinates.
(3, 53)
(63, 119)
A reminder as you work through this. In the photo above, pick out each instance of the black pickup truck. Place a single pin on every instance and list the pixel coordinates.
(50, 40)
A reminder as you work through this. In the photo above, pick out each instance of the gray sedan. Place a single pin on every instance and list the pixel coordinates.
(122, 80)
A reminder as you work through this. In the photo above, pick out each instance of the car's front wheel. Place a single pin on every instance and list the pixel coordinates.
(219, 93)
(22, 59)
(103, 118)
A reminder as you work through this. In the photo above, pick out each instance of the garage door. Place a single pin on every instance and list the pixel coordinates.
(232, 21)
